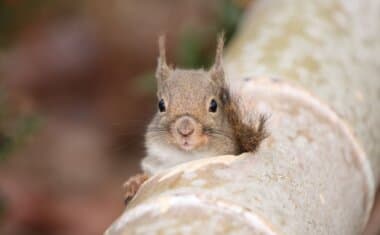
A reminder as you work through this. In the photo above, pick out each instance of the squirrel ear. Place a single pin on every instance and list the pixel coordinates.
(217, 71)
(163, 70)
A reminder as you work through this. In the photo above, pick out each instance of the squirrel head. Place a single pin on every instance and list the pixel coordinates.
(190, 115)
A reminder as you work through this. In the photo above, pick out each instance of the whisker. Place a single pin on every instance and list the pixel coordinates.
(215, 132)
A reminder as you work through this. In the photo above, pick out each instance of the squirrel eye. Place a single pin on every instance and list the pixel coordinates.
(161, 105)
(213, 106)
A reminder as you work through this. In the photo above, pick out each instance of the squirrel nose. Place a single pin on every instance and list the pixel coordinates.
(185, 126)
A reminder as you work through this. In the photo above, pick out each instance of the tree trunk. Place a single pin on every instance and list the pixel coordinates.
(314, 66)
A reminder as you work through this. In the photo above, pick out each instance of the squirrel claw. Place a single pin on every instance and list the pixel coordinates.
(132, 185)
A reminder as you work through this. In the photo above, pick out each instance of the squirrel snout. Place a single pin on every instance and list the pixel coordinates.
(185, 126)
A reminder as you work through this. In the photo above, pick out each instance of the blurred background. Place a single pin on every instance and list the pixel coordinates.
(76, 93)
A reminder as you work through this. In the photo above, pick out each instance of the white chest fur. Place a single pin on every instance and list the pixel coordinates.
(161, 156)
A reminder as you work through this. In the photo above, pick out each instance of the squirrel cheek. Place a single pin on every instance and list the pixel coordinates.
(204, 140)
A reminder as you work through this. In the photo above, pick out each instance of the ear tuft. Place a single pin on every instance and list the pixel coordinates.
(163, 70)
(219, 51)
(217, 71)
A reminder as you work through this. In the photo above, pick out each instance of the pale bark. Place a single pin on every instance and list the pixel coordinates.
(314, 66)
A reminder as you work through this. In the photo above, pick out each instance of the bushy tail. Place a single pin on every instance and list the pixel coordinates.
(248, 135)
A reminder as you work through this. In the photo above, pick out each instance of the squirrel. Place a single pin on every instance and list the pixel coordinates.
(197, 117)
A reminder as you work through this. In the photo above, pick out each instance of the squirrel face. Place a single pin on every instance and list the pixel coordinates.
(190, 116)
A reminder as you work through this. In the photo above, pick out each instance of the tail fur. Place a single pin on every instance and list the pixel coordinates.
(248, 135)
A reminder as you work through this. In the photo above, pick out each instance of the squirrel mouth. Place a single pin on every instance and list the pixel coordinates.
(186, 145)
(190, 143)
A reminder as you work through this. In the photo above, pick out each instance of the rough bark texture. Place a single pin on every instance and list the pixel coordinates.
(314, 66)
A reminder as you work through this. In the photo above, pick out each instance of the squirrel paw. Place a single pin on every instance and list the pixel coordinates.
(132, 185)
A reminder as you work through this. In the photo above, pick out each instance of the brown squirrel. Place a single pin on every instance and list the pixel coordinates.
(197, 117)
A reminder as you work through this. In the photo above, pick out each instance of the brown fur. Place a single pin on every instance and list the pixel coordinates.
(248, 135)
(187, 93)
